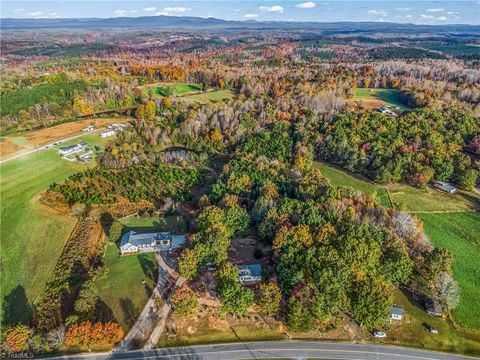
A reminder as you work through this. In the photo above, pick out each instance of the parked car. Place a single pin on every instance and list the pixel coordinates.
(432, 329)
(379, 334)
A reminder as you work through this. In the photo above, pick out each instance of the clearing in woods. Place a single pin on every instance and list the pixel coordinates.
(375, 98)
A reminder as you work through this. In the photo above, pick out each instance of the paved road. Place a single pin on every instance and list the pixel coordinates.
(280, 349)
(43, 147)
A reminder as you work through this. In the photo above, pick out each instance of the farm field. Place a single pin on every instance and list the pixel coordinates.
(32, 234)
(208, 96)
(126, 284)
(342, 178)
(374, 98)
(162, 89)
(28, 141)
(412, 331)
(460, 233)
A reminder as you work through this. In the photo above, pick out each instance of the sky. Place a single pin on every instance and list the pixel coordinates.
(417, 12)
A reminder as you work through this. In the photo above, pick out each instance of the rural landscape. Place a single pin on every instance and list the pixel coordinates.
(169, 184)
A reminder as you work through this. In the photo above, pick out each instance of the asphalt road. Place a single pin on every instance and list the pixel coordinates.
(279, 349)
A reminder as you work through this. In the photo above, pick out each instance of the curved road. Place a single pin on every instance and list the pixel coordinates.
(279, 349)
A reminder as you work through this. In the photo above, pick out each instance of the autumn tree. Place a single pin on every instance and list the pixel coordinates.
(185, 301)
(17, 338)
(234, 297)
(269, 301)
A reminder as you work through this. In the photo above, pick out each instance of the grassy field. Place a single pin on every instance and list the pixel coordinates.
(460, 233)
(342, 178)
(32, 235)
(126, 285)
(208, 96)
(162, 89)
(374, 98)
(429, 199)
(154, 223)
(412, 331)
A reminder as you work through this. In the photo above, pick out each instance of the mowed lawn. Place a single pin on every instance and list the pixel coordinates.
(373, 98)
(430, 199)
(412, 331)
(340, 177)
(208, 96)
(460, 233)
(126, 284)
(32, 235)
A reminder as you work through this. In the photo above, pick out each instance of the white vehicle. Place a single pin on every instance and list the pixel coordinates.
(379, 334)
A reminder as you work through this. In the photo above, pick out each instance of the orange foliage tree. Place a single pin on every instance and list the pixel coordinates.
(87, 334)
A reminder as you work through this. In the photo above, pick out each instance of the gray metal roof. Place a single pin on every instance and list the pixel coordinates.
(396, 311)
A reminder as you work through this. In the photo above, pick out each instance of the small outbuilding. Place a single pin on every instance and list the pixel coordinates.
(433, 308)
(444, 186)
(107, 133)
(396, 313)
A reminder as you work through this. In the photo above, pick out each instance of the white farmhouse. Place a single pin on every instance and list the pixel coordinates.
(133, 242)
(107, 133)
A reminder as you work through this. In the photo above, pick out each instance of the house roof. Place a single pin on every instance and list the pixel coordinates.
(444, 185)
(250, 270)
(396, 311)
(70, 147)
(138, 239)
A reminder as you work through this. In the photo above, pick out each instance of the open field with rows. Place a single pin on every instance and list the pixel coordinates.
(32, 234)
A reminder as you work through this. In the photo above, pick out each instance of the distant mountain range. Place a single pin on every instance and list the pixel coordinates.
(183, 22)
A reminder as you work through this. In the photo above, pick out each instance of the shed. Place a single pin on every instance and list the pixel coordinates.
(396, 313)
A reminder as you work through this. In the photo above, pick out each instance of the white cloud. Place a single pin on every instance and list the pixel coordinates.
(408, 16)
(441, 18)
(403, 9)
(250, 16)
(168, 11)
(133, 11)
(35, 14)
(429, 17)
(377, 12)
(434, 18)
(436, 10)
(120, 12)
(17, 10)
(453, 13)
(150, 9)
(306, 5)
(272, 9)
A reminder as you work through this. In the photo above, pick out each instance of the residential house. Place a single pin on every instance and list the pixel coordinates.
(107, 133)
(133, 242)
(249, 273)
(396, 313)
(72, 148)
(444, 186)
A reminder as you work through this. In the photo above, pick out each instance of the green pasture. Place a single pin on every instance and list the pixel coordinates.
(460, 233)
(32, 235)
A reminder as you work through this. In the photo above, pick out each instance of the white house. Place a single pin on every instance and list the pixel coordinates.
(72, 148)
(107, 133)
(249, 273)
(133, 242)
(396, 313)
(444, 186)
